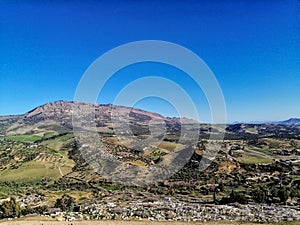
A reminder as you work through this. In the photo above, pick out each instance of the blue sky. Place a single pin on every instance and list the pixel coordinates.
(253, 48)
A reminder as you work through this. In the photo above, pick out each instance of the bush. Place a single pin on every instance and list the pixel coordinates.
(65, 202)
(237, 197)
(295, 193)
(10, 209)
(282, 193)
(36, 210)
(234, 197)
(259, 196)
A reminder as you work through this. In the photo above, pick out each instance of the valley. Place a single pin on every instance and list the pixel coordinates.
(254, 177)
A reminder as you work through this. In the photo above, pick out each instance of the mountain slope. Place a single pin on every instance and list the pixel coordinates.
(291, 121)
(39, 153)
(45, 134)
(57, 117)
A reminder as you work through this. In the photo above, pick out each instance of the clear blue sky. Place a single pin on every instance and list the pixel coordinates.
(253, 48)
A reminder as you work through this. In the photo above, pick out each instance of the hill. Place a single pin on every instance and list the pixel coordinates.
(291, 121)
(39, 156)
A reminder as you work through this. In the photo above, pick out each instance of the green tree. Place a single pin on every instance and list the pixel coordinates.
(237, 197)
(38, 210)
(65, 202)
(283, 194)
(10, 208)
(259, 195)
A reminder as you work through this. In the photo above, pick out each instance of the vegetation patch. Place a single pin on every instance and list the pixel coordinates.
(110, 187)
(262, 150)
(137, 163)
(255, 160)
(170, 146)
(49, 134)
(24, 138)
(33, 170)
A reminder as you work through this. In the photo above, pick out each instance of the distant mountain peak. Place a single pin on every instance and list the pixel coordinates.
(291, 121)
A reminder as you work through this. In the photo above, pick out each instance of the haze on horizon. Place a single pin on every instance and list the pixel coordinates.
(253, 49)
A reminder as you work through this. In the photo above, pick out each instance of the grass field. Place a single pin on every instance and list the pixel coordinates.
(58, 142)
(24, 138)
(33, 170)
(264, 151)
(254, 160)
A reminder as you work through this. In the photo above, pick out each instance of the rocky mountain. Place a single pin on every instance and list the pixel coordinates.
(47, 132)
(39, 153)
(291, 121)
(57, 117)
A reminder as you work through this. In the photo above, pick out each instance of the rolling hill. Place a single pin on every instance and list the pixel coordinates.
(39, 153)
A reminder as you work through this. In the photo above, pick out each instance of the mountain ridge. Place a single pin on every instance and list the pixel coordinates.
(67, 107)
(291, 121)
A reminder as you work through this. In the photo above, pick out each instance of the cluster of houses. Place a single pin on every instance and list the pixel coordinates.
(168, 209)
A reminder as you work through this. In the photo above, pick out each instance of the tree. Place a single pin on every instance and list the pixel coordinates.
(65, 202)
(38, 210)
(259, 195)
(10, 208)
(234, 197)
(283, 194)
(237, 197)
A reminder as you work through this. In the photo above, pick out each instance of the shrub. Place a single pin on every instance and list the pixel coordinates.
(259, 195)
(10, 209)
(65, 202)
(234, 197)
